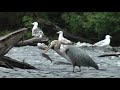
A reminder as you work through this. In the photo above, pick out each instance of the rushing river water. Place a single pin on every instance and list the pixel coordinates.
(109, 66)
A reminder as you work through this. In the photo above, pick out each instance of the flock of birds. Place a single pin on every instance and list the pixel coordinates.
(67, 49)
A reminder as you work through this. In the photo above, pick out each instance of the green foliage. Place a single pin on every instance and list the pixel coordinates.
(54, 17)
(72, 21)
(28, 34)
(27, 20)
(98, 22)
(85, 24)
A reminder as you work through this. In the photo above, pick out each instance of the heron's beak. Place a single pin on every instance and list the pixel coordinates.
(32, 23)
(110, 37)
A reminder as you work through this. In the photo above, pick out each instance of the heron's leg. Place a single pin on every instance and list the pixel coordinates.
(80, 68)
(73, 67)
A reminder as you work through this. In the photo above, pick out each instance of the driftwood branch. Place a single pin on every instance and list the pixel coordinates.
(6, 43)
(11, 63)
(106, 55)
(32, 41)
(54, 28)
(9, 40)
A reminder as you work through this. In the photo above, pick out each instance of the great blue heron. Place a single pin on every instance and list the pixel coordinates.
(63, 40)
(37, 32)
(73, 54)
(104, 42)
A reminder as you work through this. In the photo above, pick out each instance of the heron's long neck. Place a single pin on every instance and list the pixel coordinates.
(61, 52)
(57, 46)
(60, 36)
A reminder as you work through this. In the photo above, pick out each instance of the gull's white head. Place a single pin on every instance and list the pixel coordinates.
(60, 32)
(35, 23)
(108, 36)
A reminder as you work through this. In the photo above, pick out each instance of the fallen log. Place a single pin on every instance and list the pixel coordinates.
(106, 55)
(32, 41)
(11, 63)
(6, 43)
(56, 28)
(5, 64)
(9, 40)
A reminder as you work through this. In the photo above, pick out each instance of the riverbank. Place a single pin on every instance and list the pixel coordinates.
(109, 66)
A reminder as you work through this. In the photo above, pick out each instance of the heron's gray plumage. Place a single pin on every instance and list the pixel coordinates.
(80, 57)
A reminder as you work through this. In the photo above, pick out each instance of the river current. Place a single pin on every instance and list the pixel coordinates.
(109, 66)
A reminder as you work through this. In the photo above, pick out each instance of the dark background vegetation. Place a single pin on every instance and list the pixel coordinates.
(90, 25)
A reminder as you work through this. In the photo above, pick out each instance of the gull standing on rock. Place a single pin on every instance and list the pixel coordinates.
(64, 40)
(37, 32)
(104, 42)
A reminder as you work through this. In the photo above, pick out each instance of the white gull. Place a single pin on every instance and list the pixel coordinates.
(104, 42)
(62, 39)
(37, 32)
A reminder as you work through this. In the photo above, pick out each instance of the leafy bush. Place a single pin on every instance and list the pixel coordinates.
(101, 23)
(27, 20)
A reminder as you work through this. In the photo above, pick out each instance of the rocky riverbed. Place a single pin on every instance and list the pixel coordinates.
(59, 68)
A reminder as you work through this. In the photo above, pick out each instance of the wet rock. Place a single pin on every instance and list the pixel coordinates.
(63, 63)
